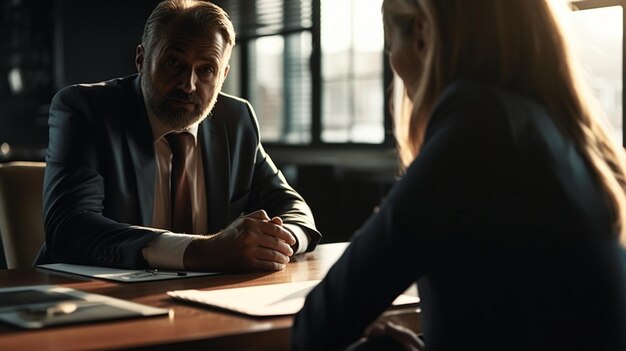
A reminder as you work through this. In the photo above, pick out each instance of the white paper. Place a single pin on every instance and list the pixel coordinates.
(120, 275)
(262, 300)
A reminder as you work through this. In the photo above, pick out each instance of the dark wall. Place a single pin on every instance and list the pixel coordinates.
(50, 44)
(26, 53)
(343, 186)
(342, 199)
(95, 40)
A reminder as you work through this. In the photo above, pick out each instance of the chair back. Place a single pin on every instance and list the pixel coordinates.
(21, 214)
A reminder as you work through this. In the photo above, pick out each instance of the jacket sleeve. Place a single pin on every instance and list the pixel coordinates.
(382, 261)
(74, 191)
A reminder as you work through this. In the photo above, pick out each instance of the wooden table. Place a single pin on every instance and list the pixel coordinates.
(188, 327)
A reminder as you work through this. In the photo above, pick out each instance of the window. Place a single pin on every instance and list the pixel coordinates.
(352, 71)
(597, 26)
(314, 70)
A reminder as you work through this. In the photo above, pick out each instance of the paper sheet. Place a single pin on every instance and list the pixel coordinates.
(121, 275)
(262, 300)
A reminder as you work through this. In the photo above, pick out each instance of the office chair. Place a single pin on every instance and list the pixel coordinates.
(21, 216)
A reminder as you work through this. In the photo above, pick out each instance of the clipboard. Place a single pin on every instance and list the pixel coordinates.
(40, 306)
(121, 275)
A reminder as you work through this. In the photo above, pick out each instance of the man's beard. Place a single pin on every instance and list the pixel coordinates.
(176, 118)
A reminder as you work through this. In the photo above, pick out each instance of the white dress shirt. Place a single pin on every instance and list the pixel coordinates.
(168, 249)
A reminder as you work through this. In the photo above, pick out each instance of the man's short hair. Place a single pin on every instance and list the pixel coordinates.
(202, 17)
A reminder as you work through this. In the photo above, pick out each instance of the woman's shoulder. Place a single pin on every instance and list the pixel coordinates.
(488, 98)
(492, 108)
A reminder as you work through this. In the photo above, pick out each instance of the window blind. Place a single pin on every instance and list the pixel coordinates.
(254, 18)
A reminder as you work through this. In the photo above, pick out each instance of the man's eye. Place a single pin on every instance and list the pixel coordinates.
(207, 69)
(173, 61)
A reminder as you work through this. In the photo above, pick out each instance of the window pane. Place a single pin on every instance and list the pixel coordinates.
(297, 90)
(598, 46)
(266, 84)
(352, 71)
(367, 126)
(280, 87)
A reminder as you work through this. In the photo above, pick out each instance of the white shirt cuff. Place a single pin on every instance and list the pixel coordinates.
(301, 237)
(167, 250)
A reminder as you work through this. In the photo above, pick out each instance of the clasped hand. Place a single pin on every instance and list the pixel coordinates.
(252, 242)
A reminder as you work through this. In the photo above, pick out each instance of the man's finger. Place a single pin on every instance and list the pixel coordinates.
(265, 254)
(258, 214)
(268, 265)
(274, 243)
(272, 229)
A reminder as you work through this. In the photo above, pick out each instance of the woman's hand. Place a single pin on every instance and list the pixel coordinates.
(400, 334)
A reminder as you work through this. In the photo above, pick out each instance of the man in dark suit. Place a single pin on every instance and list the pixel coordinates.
(118, 193)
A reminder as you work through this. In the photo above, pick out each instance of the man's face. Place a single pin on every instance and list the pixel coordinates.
(183, 75)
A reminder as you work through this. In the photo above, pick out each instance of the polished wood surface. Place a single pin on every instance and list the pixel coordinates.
(187, 327)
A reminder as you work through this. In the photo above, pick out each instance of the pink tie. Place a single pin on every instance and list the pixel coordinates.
(180, 201)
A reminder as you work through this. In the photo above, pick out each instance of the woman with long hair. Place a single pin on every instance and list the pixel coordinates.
(511, 210)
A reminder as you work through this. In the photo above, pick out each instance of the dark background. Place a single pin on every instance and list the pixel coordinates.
(54, 43)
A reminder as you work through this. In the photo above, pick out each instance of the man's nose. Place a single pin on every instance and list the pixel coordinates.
(188, 81)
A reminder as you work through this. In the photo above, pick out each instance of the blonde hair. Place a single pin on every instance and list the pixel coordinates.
(516, 44)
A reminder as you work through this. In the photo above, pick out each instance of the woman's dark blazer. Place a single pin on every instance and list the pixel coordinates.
(504, 226)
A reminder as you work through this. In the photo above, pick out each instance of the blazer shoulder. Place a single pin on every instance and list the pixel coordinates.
(111, 103)
(114, 88)
(480, 94)
(485, 103)
(234, 111)
(232, 99)
(228, 105)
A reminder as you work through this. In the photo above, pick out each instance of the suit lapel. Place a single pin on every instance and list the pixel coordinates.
(141, 150)
(215, 158)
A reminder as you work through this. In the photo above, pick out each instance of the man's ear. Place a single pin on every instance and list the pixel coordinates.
(139, 58)
(226, 71)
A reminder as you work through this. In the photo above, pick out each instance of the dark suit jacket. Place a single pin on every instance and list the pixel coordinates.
(504, 226)
(101, 168)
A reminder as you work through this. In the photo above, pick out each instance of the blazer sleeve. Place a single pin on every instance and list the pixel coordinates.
(382, 261)
(74, 190)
